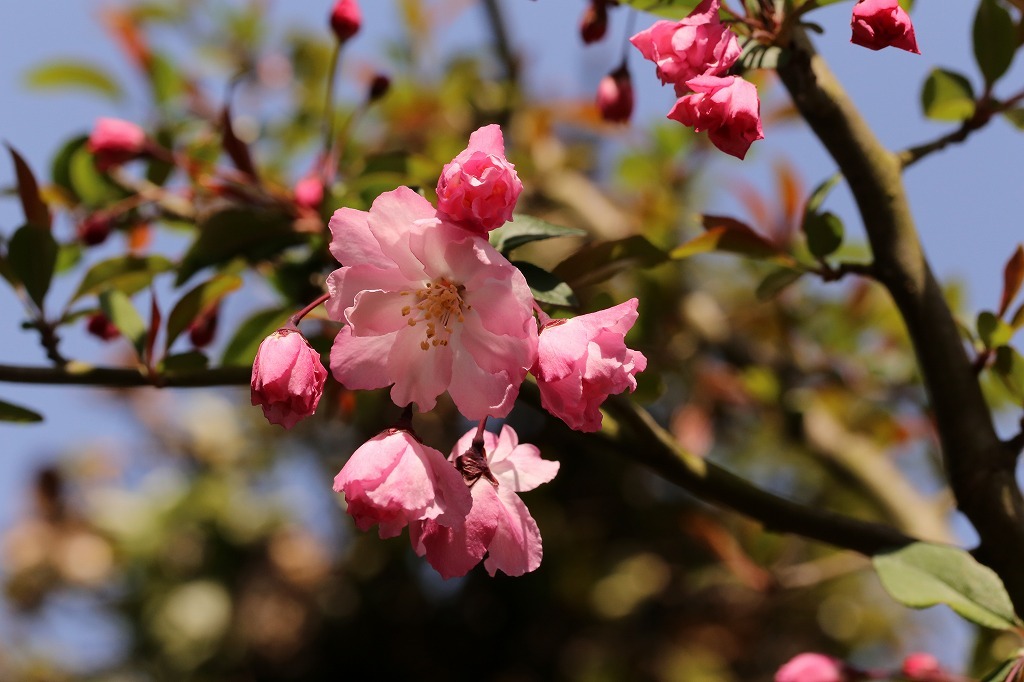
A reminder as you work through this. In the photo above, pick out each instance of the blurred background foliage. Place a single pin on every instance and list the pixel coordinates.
(210, 544)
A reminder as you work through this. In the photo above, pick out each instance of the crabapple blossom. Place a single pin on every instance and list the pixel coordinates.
(698, 45)
(346, 18)
(287, 378)
(583, 360)
(428, 307)
(882, 23)
(478, 189)
(393, 479)
(498, 524)
(810, 667)
(114, 141)
(615, 96)
(727, 108)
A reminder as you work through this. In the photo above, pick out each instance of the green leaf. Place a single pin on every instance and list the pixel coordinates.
(525, 229)
(546, 287)
(922, 575)
(992, 331)
(15, 413)
(127, 274)
(597, 262)
(64, 74)
(947, 96)
(241, 349)
(821, 192)
(184, 362)
(197, 302)
(32, 256)
(824, 232)
(670, 9)
(1015, 117)
(87, 183)
(36, 211)
(777, 280)
(1009, 367)
(1002, 673)
(755, 55)
(727, 235)
(250, 233)
(995, 39)
(119, 309)
(68, 256)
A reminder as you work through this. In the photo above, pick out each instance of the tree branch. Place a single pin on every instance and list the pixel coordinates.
(976, 461)
(80, 374)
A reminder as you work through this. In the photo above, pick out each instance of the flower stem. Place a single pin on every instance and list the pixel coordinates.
(478, 438)
(297, 317)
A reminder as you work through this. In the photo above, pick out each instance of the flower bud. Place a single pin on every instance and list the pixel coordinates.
(594, 24)
(346, 18)
(615, 96)
(478, 189)
(114, 141)
(94, 229)
(204, 328)
(100, 326)
(287, 378)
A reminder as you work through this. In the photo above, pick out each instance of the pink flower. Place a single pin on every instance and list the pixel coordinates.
(428, 307)
(287, 378)
(811, 668)
(346, 18)
(394, 480)
(478, 189)
(698, 45)
(309, 192)
(499, 524)
(922, 667)
(728, 108)
(615, 96)
(581, 361)
(882, 23)
(114, 141)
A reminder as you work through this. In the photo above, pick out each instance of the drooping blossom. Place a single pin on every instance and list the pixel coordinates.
(923, 667)
(393, 480)
(615, 96)
(499, 524)
(478, 189)
(698, 45)
(594, 23)
(583, 360)
(100, 326)
(346, 18)
(287, 378)
(114, 141)
(811, 668)
(727, 108)
(428, 307)
(882, 23)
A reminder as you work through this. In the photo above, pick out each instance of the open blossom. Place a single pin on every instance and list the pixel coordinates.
(479, 188)
(287, 378)
(393, 480)
(114, 141)
(811, 668)
(882, 23)
(727, 108)
(583, 360)
(698, 45)
(429, 307)
(498, 524)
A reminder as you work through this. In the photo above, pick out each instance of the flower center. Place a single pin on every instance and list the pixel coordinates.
(438, 306)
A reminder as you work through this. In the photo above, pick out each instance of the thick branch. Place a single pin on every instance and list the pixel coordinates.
(980, 472)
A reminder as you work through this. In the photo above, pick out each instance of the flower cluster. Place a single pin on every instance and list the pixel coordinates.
(429, 307)
(693, 55)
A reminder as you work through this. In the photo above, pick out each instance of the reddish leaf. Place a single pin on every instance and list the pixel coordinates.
(154, 327)
(36, 211)
(1013, 277)
(731, 235)
(237, 150)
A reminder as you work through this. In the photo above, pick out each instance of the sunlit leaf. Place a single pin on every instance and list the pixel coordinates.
(993, 331)
(525, 229)
(824, 232)
(197, 302)
(241, 349)
(119, 309)
(947, 96)
(128, 274)
(65, 74)
(727, 235)
(995, 39)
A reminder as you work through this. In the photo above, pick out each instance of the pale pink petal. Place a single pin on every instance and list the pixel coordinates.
(478, 393)
(344, 283)
(419, 375)
(378, 312)
(361, 362)
(454, 551)
(519, 466)
(487, 139)
(393, 218)
(516, 548)
(352, 243)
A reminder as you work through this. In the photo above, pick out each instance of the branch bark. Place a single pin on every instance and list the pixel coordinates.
(980, 471)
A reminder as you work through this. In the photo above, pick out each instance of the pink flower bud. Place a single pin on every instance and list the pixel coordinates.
(309, 192)
(346, 18)
(479, 188)
(882, 23)
(100, 326)
(922, 667)
(594, 24)
(287, 378)
(811, 668)
(581, 361)
(615, 96)
(114, 141)
(727, 108)
(94, 229)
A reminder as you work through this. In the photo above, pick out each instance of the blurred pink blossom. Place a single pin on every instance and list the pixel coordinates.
(811, 668)
(114, 141)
